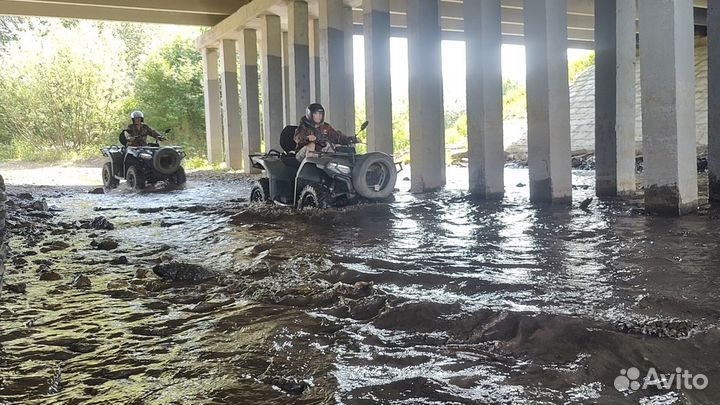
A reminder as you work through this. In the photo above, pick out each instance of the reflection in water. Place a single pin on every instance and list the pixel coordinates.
(432, 299)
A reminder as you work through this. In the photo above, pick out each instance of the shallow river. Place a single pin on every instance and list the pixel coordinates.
(434, 299)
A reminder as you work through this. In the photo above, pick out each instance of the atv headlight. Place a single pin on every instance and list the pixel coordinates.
(146, 156)
(338, 168)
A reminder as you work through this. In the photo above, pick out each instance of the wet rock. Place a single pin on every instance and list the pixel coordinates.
(116, 285)
(40, 214)
(291, 387)
(122, 260)
(520, 185)
(18, 288)
(54, 245)
(79, 347)
(167, 224)
(98, 190)
(586, 203)
(673, 329)
(107, 244)
(49, 275)
(141, 273)
(183, 272)
(101, 223)
(81, 281)
(25, 196)
(39, 205)
(149, 210)
(19, 261)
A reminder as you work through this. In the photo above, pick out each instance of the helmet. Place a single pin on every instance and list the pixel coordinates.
(137, 114)
(312, 109)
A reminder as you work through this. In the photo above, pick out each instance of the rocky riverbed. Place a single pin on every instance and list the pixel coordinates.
(195, 296)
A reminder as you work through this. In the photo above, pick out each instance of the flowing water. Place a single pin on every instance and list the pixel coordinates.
(433, 299)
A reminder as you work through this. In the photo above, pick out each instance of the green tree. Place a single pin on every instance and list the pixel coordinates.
(169, 90)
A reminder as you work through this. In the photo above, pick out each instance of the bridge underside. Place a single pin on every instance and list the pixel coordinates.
(305, 50)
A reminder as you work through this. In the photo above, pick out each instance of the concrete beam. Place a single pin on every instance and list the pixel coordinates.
(272, 80)
(18, 8)
(615, 45)
(231, 105)
(714, 99)
(378, 95)
(250, 112)
(229, 26)
(427, 115)
(548, 101)
(332, 58)
(668, 106)
(286, 79)
(213, 117)
(486, 157)
(314, 42)
(299, 56)
(349, 71)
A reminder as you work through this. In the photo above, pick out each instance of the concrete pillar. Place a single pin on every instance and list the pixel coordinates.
(231, 105)
(378, 94)
(250, 112)
(548, 101)
(427, 114)
(314, 42)
(332, 58)
(272, 81)
(714, 99)
(615, 97)
(667, 77)
(486, 156)
(213, 117)
(299, 58)
(349, 71)
(286, 80)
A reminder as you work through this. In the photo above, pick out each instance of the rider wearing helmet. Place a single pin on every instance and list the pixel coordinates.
(137, 132)
(314, 132)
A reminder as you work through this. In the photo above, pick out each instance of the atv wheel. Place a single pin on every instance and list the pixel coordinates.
(109, 180)
(166, 160)
(375, 177)
(260, 191)
(178, 178)
(135, 178)
(313, 197)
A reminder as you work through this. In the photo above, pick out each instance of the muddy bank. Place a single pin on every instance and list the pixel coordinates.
(195, 296)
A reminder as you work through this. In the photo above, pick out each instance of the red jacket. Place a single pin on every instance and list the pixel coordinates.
(324, 133)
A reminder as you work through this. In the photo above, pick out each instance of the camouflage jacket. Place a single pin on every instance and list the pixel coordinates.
(138, 136)
(324, 133)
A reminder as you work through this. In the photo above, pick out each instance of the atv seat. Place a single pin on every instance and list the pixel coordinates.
(287, 139)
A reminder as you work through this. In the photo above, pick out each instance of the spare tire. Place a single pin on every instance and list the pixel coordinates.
(375, 176)
(166, 160)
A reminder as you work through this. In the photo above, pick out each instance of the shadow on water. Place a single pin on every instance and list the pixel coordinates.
(432, 299)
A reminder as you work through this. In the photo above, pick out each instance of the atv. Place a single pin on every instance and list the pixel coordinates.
(143, 165)
(323, 179)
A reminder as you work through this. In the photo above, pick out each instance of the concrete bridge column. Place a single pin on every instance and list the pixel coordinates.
(286, 80)
(332, 58)
(315, 78)
(714, 99)
(299, 57)
(213, 117)
(548, 101)
(484, 98)
(272, 81)
(378, 95)
(250, 112)
(231, 105)
(615, 97)
(427, 115)
(349, 71)
(667, 77)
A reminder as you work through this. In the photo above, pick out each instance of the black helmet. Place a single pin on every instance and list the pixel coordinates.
(137, 114)
(312, 109)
